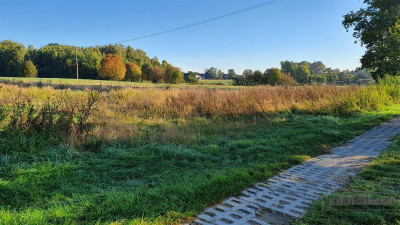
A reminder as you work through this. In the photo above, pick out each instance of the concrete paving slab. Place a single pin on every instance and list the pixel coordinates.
(289, 194)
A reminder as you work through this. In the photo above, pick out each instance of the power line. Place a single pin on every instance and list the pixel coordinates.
(204, 21)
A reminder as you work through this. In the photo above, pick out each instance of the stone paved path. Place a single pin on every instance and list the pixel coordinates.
(289, 194)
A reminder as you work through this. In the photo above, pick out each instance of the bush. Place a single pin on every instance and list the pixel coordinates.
(192, 80)
(133, 72)
(30, 69)
(285, 79)
(112, 68)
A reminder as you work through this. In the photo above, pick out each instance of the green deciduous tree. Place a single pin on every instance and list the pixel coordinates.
(248, 72)
(210, 73)
(317, 67)
(173, 75)
(289, 67)
(377, 27)
(133, 72)
(220, 74)
(302, 74)
(231, 73)
(332, 77)
(273, 76)
(30, 69)
(12, 58)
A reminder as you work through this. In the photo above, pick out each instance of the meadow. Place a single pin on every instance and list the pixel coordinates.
(82, 84)
(162, 155)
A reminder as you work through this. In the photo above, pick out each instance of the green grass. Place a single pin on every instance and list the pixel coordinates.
(85, 82)
(170, 173)
(381, 178)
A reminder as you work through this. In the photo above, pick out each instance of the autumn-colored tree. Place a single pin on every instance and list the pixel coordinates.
(156, 74)
(30, 69)
(133, 72)
(112, 68)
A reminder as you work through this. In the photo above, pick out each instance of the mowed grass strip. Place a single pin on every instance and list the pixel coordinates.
(168, 175)
(379, 180)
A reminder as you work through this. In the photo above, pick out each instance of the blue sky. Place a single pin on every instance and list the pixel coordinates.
(295, 30)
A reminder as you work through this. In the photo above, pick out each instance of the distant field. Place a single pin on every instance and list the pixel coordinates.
(86, 82)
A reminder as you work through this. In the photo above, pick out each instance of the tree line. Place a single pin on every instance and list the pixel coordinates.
(114, 62)
(293, 73)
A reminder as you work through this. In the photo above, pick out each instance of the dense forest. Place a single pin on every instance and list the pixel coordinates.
(115, 62)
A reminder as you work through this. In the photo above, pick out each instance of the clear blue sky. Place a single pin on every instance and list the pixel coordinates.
(296, 30)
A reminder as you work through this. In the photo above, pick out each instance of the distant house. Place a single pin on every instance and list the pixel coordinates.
(200, 76)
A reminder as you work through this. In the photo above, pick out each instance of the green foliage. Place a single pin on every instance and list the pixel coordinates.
(211, 73)
(318, 78)
(332, 77)
(190, 77)
(247, 72)
(58, 61)
(133, 72)
(317, 67)
(377, 28)
(30, 69)
(289, 67)
(285, 79)
(173, 75)
(273, 76)
(231, 74)
(12, 57)
(302, 74)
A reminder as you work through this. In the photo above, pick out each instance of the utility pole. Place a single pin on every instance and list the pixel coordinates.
(76, 61)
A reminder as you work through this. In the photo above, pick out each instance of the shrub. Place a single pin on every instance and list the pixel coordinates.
(112, 68)
(285, 79)
(30, 69)
(190, 77)
(133, 72)
(192, 80)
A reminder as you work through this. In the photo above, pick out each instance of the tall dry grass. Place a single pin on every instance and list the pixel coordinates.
(118, 113)
(184, 103)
